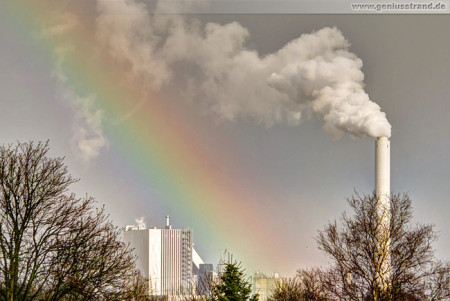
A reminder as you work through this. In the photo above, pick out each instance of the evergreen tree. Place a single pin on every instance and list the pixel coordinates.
(232, 285)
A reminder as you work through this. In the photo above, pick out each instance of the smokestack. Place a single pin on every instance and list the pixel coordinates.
(383, 192)
(383, 170)
(168, 222)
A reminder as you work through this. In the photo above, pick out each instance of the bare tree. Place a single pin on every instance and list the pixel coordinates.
(439, 284)
(200, 289)
(312, 284)
(307, 285)
(287, 290)
(354, 248)
(138, 289)
(90, 262)
(54, 245)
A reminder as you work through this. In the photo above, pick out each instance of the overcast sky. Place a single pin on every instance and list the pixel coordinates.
(296, 177)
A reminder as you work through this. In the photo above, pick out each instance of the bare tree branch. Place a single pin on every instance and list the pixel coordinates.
(363, 249)
(53, 245)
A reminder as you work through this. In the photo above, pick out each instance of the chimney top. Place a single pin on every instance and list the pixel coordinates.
(168, 222)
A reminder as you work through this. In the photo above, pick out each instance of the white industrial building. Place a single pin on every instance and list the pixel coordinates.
(264, 285)
(166, 257)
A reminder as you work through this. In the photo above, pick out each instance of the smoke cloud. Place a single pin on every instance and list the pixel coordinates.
(88, 137)
(141, 223)
(315, 72)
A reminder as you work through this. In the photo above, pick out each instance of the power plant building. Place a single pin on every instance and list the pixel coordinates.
(165, 256)
(264, 285)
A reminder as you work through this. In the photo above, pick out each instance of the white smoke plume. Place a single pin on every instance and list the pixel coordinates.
(141, 223)
(315, 72)
(88, 137)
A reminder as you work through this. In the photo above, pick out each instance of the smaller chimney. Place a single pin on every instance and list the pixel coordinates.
(168, 226)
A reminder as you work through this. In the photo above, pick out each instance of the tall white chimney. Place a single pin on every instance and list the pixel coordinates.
(383, 170)
(383, 191)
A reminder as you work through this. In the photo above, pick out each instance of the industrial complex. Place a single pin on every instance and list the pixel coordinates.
(168, 259)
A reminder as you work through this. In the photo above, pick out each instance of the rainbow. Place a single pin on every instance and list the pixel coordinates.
(163, 144)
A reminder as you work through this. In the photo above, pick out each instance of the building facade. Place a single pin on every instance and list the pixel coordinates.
(164, 256)
(264, 285)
